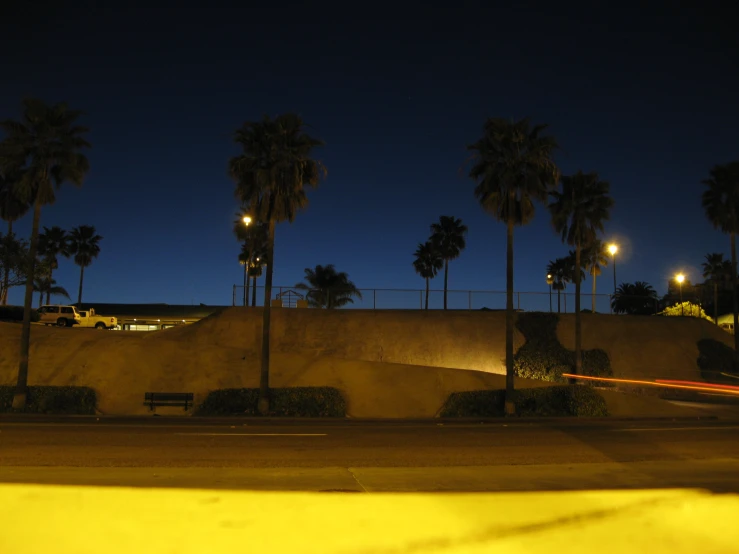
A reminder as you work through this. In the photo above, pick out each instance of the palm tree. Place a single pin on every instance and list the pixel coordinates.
(52, 243)
(11, 209)
(46, 146)
(253, 236)
(44, 285)
(561, 274)
(721, 204)
(447, 236)
(578, 213)
(255, 271)
(595, 258)
(715, 271)
(513, 167)
(328, 288)
(271, 174)
(13, 261)
(84, 245)
(427, 264)
(637, 298)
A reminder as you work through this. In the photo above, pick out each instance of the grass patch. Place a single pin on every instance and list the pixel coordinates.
(287, 402)
(15, 313)
(51, 400)
(543, 357)
(558, 401)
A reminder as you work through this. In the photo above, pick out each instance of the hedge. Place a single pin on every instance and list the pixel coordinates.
(544, 358)
(714, 358)
(285, 402)
(557, 401)
(51, 400)
(15, 313)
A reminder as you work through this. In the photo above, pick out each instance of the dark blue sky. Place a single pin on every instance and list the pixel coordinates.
(397, 91)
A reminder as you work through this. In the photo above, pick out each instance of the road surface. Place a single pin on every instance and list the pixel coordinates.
(373, 456)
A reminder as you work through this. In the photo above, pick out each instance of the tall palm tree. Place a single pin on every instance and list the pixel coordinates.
(721, 204)
(427, 263)
(561, 274)
(328, 288)
(447, 236)
(84, 245)
(46, 146)
(255, 271)
(579, 211)
(11, 210)
(44, 285)
(595, 258)
(52, 243)
(715, 271)
(272, 173)
(637, 298)
(513, 166)
(13, 261)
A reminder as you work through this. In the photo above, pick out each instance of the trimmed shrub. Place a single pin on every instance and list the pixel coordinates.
(714, 358)
(558, 401)
(544, 358)
(51, 400)
(15, 313)
(287, 402)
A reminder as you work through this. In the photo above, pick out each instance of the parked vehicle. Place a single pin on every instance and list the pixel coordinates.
(61, 316)
(88, 318)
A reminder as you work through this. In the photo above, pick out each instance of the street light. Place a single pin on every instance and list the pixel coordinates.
(247, 221)
(680, 278)
(550, 280)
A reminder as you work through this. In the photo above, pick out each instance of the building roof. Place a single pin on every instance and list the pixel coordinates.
(151, 311)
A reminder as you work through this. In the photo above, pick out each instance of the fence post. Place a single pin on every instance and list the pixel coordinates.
(233, 299)
(374, 299)
(518, 294)
(420, 297)
(470, 299)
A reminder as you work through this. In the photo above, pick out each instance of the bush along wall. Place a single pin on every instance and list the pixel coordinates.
(286, 402)
(51, 400)
(557, 401)
(15, 313)
(543, 357)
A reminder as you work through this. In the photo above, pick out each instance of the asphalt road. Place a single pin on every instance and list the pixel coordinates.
(374, 456)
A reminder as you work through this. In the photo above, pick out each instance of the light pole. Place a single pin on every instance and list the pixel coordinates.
(680, 278)
(550, 280)
(247, 221)
(612, 249)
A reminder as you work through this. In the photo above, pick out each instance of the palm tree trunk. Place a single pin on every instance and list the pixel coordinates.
(21, 387)
(578, 321)
(510, 406)
(263, 404)
(733, 294)
(246, 283)
(427, 294)
(446, 279)
(559, 304)
(593, 308)
(6, 276)
(254, 291)
(715, 303)
(82, 278)
(48, 292)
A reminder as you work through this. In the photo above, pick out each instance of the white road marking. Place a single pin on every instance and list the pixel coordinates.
(678, 429)
(254, 434)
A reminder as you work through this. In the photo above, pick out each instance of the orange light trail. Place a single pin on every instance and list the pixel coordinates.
(639, 382)
(697, 384)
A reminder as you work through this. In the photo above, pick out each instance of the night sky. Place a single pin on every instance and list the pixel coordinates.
(649, 100)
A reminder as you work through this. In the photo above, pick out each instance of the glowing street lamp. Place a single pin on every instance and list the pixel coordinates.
(247, 220)
(612, 249)
(550, 281)
(680, 278)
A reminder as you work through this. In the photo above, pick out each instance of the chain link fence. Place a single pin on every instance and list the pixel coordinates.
(415, 299)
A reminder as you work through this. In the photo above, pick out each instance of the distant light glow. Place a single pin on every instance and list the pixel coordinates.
(612, 248)
(247, 220)
(680, 278)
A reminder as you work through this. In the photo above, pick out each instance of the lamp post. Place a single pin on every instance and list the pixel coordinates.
(680, 278)
(247, 221)
(612, 249)
(550, 280)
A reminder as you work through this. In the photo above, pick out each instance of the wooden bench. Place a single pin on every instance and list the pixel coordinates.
(153, 399)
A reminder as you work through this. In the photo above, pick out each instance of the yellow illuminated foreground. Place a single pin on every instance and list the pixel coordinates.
(118, 520)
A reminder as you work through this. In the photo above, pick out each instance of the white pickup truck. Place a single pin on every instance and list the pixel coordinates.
(88, 318)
